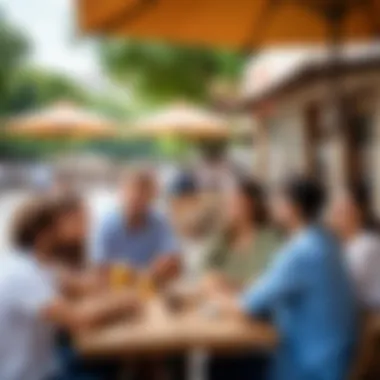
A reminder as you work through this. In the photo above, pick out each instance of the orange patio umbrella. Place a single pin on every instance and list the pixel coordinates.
(183, 121)
(61, 121)
(236, 24)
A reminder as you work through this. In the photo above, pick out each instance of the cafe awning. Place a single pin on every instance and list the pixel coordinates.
(234, 24)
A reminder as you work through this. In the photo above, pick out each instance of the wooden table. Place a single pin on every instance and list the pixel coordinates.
(159, 331)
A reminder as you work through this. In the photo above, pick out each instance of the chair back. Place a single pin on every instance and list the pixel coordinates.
(366, 365)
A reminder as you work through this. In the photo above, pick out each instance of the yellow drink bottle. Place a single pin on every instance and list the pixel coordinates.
(120, 275)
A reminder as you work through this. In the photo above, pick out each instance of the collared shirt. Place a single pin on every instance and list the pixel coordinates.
(27, 341)
(363, 257)
(308, 292)
(116, 241)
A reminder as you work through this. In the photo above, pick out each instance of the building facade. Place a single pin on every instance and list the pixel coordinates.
(316, 117)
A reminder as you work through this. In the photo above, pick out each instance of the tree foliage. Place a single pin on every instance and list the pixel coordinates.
(157, 72)
(33, 88)
(14, 48)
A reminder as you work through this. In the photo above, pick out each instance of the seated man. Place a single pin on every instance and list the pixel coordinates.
(32, 306)
(306, 292)
(136, 234)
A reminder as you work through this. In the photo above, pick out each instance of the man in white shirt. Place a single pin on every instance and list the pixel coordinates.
(363, 258)
(31, 306)
(350, 215)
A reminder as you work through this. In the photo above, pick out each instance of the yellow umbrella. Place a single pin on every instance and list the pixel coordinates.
(61, 121)
(233, 23)
(183, 121)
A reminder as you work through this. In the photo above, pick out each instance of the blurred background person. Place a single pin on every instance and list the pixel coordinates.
(137, 235)
(215, 169)
(191, 221)
(245, 244)
(351, 216)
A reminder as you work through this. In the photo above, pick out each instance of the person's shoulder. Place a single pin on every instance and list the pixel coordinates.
(369, 239)
(16, 267)
(316, 236)
(315, 242)
(367, 243)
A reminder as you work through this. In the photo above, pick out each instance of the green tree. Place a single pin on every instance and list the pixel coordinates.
(156, 72)
(37, 88)
(14, 48)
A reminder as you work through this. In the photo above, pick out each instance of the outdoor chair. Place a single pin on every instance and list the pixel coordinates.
(367, 366)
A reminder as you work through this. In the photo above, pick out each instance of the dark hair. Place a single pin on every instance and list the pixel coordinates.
(33, 218)
(254, 193)
(184, 184)
(67, 203)
(307, 194)
(39, 215)
(361, 196)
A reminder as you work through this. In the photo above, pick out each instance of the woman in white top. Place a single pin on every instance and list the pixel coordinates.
(350, 214)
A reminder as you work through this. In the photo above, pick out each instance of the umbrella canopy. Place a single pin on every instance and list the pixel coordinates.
(233, 24)
(62, 120)
(183, 121)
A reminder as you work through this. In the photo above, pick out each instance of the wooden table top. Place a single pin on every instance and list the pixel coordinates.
(159, 331)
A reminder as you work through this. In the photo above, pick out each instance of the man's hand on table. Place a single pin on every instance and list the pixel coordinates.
(92, 311)
(78, 284)
(166, 268)
(214, 283)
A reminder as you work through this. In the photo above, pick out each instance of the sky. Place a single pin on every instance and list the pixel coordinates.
(50, 24)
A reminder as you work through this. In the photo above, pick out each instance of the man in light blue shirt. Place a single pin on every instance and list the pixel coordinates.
(306, 292)
(137, 234)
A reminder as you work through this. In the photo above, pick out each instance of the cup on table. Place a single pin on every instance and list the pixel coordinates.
(120, 275)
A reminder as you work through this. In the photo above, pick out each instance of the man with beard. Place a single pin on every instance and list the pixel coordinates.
(137, 234)
(33, 307)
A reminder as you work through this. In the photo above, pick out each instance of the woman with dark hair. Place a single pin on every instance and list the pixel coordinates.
(244, 246)
(239, 254)
(351, 217)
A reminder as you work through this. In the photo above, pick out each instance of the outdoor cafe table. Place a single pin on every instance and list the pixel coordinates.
(160, 331)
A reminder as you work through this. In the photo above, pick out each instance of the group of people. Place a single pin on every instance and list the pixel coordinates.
(306, 262)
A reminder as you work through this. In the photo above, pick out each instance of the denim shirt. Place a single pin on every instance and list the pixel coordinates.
(116, 241)
(309, 294)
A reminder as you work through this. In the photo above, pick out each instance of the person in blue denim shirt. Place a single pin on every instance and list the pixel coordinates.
(306, 291)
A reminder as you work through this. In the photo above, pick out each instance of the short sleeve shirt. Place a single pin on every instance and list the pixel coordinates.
(115, 241)
(27, 342)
